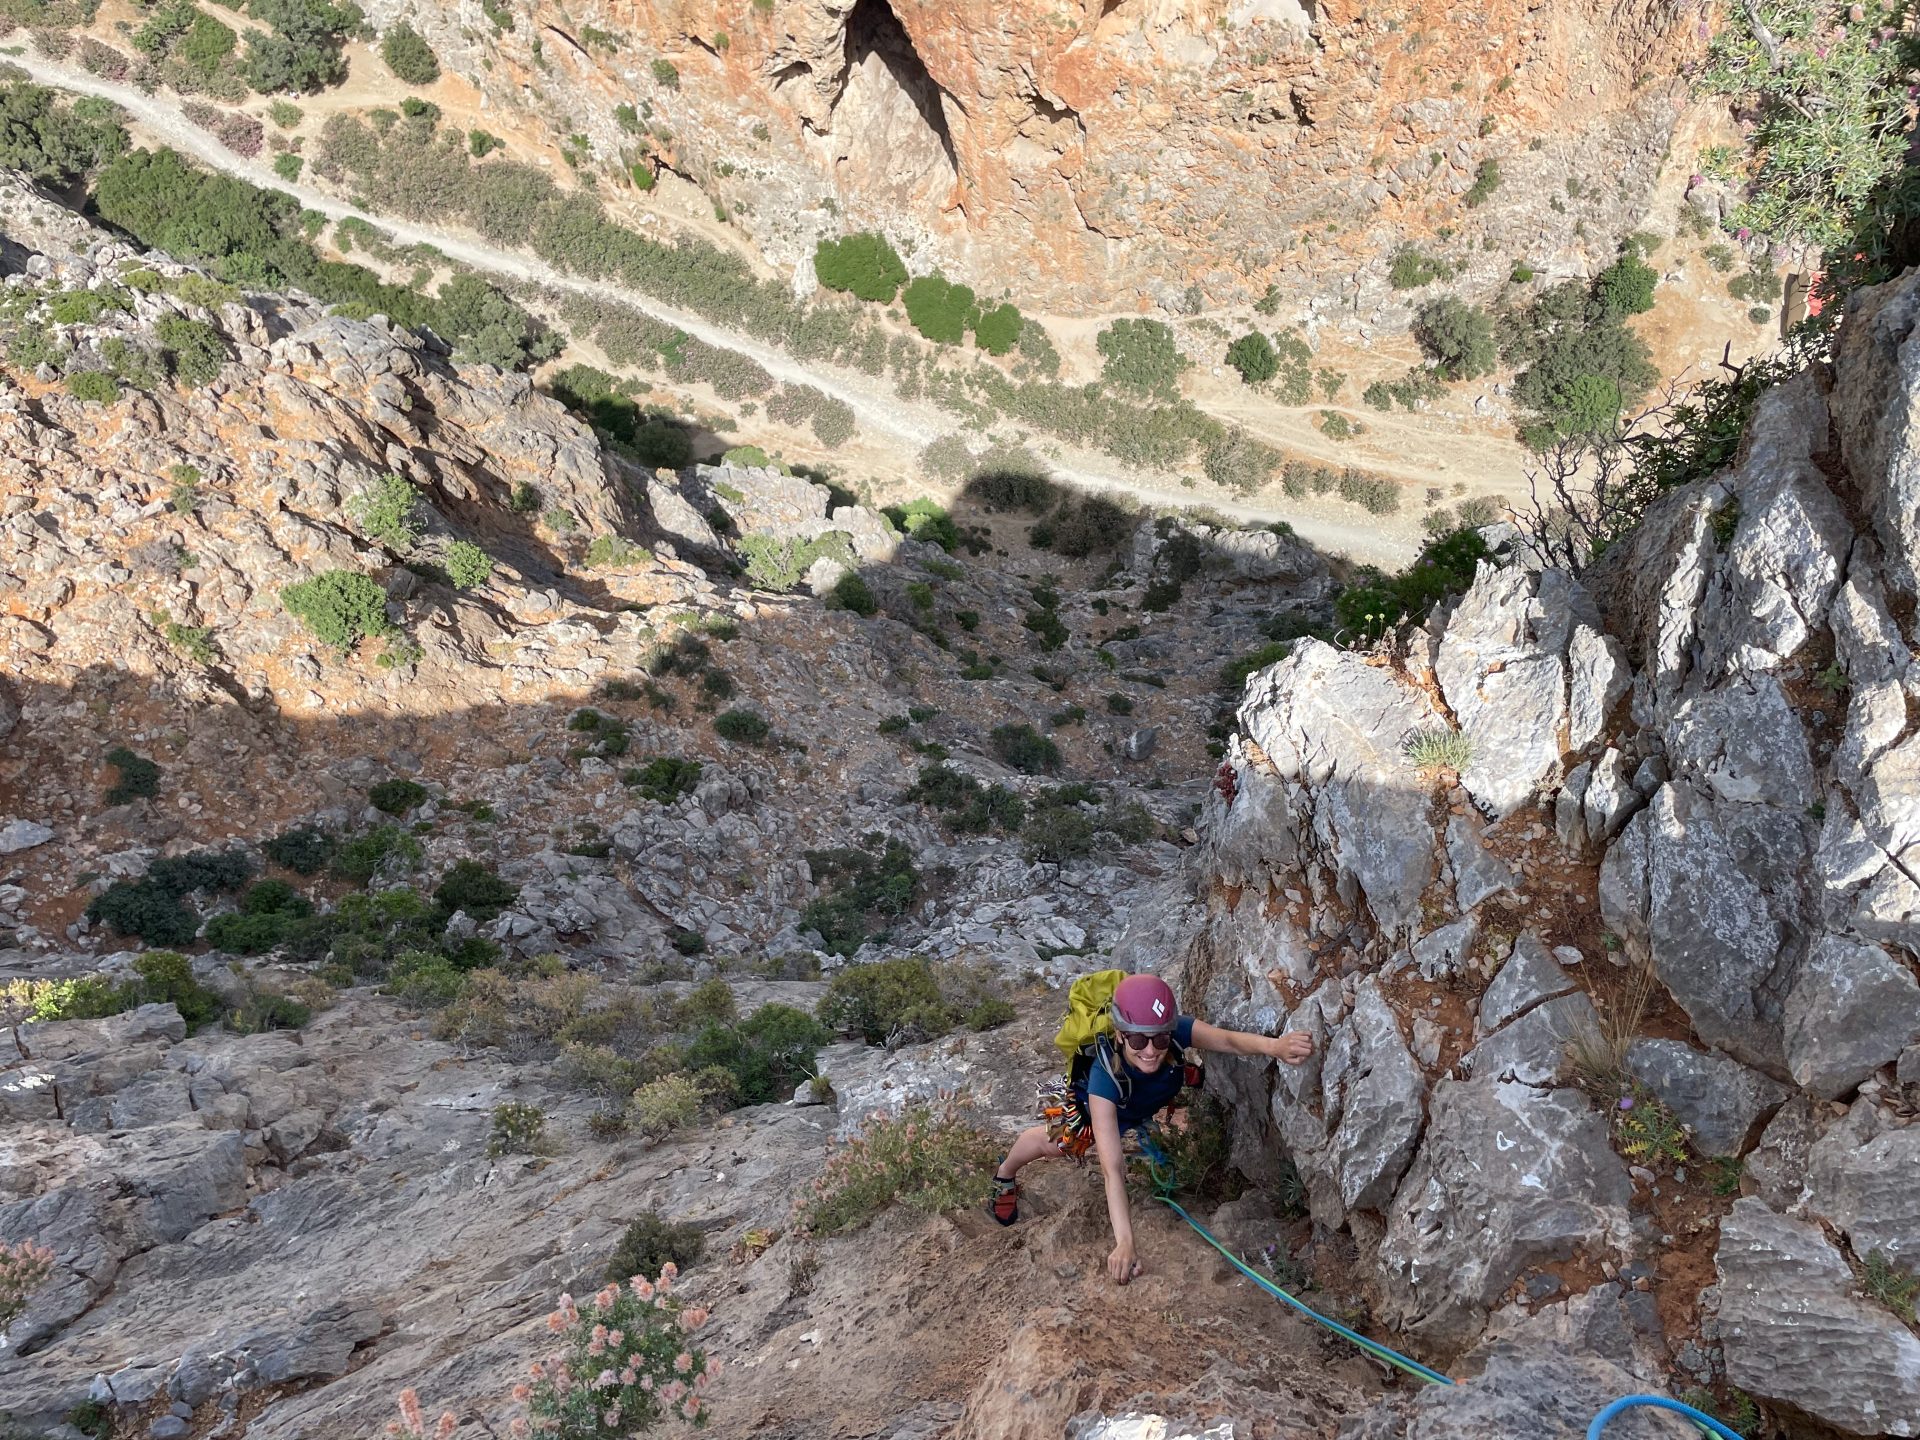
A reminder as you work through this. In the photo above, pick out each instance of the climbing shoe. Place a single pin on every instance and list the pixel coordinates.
(1005, 1204)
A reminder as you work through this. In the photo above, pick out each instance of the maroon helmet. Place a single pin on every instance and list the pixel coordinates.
(1143, 1005)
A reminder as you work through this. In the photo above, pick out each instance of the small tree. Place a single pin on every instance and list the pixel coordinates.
(1458, 336)
(999, 330)
(864, 265)
(409, 56)
(1140, 355)
(1626, 286)
(939, 310)
(341, 607)
(1254, 357)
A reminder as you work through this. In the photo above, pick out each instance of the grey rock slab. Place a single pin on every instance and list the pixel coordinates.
(1744, 742)
(315, 1345)
(1779, 1166)
(1606, 1322)
(1505, 681)
(1533, 1048)
(1597, 678)
(1529, 975)
(1794, 1327)
(1478, 874)
(1371, 1075)
(1869, 1189)
(1442, 952)
(1866, 640)
(1330, 723)
(1510, 1176)
(1720, 1099)
(1876, 411)
(1694, 885)
(1542, 1392)
(1853, 1008)
(18, 835)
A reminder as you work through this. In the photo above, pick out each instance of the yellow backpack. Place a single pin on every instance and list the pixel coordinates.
(1089, 1013)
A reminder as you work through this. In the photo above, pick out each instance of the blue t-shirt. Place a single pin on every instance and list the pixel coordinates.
(1148, 1094)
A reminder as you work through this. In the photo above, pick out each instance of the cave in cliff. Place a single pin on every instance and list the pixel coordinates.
(889, 129)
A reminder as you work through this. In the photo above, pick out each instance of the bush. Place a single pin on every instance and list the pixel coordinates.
(767, 1054)
(48, 137)
(885, 999)
(24, 1268)
(741, 727)
(927, 520)
(664, 779)
(362, 857)
(1456, 336)
(1055, 834)
(636, 1336)
(303, 851)
(783, 564)
(467, 564)
(926, 1160)
(864, 265)
(409, 56)
(195, 350)
(518, 1129)
(166, 978)
(1025, 749)
(340, 607)
(967, 806)
(867, 889)
(666, 74)
(999, 329)
(1486, 180)
(673, 1102)
(1439, 749)
(651, 1243)
(1088, 524)
(471, 888)
(939, 310)
(96, 387)
(1626, 286)
(1140, 355)
(1253, 356)
(1239, 462)
(1445, 567)
(396, 796)
(850, 592)
(1409, 269)
(138, 777)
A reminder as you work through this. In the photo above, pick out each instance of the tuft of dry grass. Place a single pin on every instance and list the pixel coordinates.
(1597, 1051)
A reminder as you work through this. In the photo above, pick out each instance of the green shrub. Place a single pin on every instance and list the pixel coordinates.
(467, 564)
(925, 1160)
(1025, 749)
(475, 890)
(138, 778)
(940, 310)
(1141, 356)
(303, 851)
(673, 1102)
(396, 796)
(1087, 524)
(1439, 749)
(741, 727)
(1457, 336)
(1055, 834)
(1626, 286)
(1253, 356)
(783, 564)
(284, 115)
(652, 1242)
(666, 74)
(967, 806)
(340, 607)
(409, 56)
(999, 329)
(166, 978)
(851, 592)
(864, 265)
(287, 166)
(927, 520)
(1239, 462)
(96, 387)
(887, 998)
(519, 1128)
(768, 1053)
(1486, 180)
(388, 511)
(1047, 628)
(1445, 567)
(425, 979)
(362, 857)
(615, 550)
(867, 889)
(262, 1010)
(664, 779)
(1409, 269)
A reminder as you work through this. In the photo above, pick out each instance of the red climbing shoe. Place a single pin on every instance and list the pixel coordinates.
(1005, 1204)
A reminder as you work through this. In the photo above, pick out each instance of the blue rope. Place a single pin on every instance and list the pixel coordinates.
(1659, 1402)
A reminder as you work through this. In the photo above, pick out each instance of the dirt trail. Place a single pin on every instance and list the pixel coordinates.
(876, 408)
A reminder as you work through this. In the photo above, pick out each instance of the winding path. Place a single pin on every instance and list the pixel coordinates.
(877, 410)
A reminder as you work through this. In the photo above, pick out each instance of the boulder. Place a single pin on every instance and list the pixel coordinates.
(1330, 723)
(1533, 1048)
(1718, 1098)
(1864, 1186)
(1510, 1176)
(18, 835)
(1694, 885)
(1852, 1009)
(1535, 1391)
(1794, 1327)
(1477, 874)
(1876, 412)
(1529, 975)
(1377, 1091)
(1743, 743)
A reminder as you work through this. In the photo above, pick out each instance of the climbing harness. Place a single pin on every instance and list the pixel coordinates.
(1160, 1167)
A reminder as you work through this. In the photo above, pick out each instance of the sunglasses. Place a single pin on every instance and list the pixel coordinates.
(1148, 1042)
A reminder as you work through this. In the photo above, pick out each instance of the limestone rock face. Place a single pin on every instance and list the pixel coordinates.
(1796, 1328)
(1109, 150)
(1522, 1391)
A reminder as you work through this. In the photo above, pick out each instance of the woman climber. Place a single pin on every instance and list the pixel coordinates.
(1117, 1083)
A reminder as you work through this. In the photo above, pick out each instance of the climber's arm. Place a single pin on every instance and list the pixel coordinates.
(1292, 1048)
(1122, 1264)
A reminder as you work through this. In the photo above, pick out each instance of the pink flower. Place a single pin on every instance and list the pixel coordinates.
(537, 1370)
(646, 1382)
(642, 1287)
(669, 1271)
(628, 1376)
(693, 1319)
(604, 1300)
(692, 1408)
(683, 1362)
(519, 1429)
(607, 1379)
(410, 1411)
(1744, 235)
(612, 1417)
(522, 1391)
(673, 1391)
(700, 1381)
(615, 1339)
(556, 1322)
(448, 1424)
